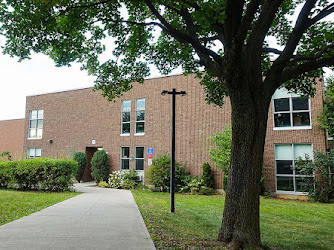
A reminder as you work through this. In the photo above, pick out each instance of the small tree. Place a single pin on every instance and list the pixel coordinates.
(321, 186)
(100, 166)
(81, 159)
(207, 176)
(220, 154)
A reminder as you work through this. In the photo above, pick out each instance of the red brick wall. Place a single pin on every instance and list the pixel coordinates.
(72, 119)
(11, 137)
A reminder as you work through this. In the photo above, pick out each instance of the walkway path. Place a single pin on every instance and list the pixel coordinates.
(97, 219)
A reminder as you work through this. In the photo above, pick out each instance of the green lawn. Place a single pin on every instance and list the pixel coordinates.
(284, 224)
(15, 204)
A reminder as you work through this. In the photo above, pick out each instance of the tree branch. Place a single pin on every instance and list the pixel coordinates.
(293, 72)
(316, 56)
(272, 50)
(322, 14)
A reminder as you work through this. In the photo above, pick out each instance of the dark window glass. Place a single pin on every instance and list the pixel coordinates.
(281, 105)
(125, 152)
(139, 164)
(284, 167)
(33, 124)
(126, 128)
(125, 164)
(300, 103)
(140, 127)
(282, 120)
(301, 185)
(301, 119)
(139, 152)
(126, 117)
(285, 183)
(140, 115)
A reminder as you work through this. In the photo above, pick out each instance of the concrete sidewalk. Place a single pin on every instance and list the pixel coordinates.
(97, 219)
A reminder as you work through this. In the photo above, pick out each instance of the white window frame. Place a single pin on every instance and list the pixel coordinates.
(293, 175)
(122, 122)
(142, 121)
(126, 158)
(34, 155)
(36, 129)
(290, 96)
(136, 158)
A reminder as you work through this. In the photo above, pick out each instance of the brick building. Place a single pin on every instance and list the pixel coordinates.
(11, 137)
(58, 124)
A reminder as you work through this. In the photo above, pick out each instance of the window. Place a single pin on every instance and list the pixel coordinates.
(290, 110)
(35, 124)
(140, 115)
(287, 178)
(139, 158)
(125, 158)
(126, 111)
(34, 153)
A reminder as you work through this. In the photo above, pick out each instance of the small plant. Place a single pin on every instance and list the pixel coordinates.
(129, 175)
(103, 184)
(207, 176)
(193, 186)
(206, 191)
(115, 179)
(100, 166)
(4, 154)
(129, 184)
(81, 159)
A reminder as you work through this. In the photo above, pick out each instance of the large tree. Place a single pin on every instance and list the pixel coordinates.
(226, 38)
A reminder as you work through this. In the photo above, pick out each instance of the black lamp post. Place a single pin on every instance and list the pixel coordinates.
(172, 167)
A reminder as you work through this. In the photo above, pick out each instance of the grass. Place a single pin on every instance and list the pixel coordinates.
(15, 204)
(284, 224)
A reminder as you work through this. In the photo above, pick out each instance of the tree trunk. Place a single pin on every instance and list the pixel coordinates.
(240, 224)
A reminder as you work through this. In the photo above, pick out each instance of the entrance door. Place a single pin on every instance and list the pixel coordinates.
(87, 176)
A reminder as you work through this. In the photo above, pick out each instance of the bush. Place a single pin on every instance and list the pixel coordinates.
(81, 159)
(38, 174)
(103, 184)
(207, 176)
(159, 173)
(115, 179)
(129, 175)
(129, 184)
(206, 191)
(100, 166)
(321, 186)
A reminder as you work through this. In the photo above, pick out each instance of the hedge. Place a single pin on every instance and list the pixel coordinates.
(38, 174)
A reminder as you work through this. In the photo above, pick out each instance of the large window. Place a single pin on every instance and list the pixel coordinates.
(126, 111)
(34, 153)
(288, 179)
(290, 110)
(35, 124)
(125, 158)
(139, 158)
(140, 115)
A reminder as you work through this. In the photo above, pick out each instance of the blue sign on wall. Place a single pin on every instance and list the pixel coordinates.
(150, 151)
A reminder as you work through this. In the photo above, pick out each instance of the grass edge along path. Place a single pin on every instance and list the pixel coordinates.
(284, 224)
(16, 204)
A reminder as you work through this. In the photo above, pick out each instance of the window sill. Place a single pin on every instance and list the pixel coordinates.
(124, 134)
(34, 138)
(139, 134)
(292, 128)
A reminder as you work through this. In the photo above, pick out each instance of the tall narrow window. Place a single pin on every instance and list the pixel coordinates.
(290, 110)
(140, 115)
(139, 158)
(288, 179)
(34, 153)
(125, 158)
(36, 124)
(126, 111)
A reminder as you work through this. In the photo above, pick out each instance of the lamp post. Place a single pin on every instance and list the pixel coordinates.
(172, 167)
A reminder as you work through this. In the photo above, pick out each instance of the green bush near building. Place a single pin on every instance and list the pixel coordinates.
(81, 159)
(100, 166)
(38, 174)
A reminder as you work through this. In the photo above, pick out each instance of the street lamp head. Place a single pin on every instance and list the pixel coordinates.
(164, 92)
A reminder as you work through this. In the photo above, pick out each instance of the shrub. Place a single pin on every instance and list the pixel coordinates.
(103, 184)
(321, 186)
(4, 154)
(207, 175)
(81, 159)
(115, 179)
(129, 184)
(159, 173)
(206, 191)
(100, 166)
(39, 174)
(129, 175)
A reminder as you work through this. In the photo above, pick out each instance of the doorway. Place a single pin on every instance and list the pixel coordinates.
(87, 176)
